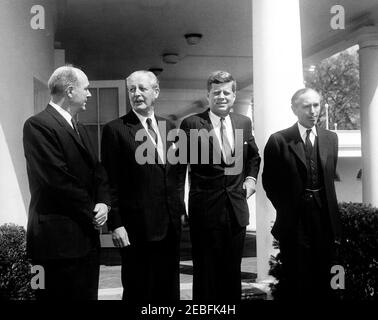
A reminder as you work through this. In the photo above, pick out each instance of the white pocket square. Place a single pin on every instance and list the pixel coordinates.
(245, 142)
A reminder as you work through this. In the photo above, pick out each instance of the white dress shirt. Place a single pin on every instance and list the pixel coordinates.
(216, 122)
(303, 133)
(66, 115)
(155, 126)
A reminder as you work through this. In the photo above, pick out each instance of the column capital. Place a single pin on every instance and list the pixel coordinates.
(367, 37)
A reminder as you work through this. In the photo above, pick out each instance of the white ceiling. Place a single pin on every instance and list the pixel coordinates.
(111, 38)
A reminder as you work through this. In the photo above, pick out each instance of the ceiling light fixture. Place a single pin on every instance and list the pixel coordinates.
(193, 38)
(170, 58)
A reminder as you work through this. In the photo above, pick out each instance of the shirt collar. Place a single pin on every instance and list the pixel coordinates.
(143, 119)
(64, 113)
(303, 131)
(216, 119)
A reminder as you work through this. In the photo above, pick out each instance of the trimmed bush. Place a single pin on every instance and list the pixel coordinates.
(15, 274)
(358, 254)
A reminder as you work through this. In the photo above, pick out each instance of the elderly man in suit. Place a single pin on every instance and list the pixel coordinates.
(69, 192)
(220, 184)
(146, 207)
(298, 177)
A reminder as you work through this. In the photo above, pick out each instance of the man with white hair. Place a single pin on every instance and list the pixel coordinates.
(69, 192)
(146, 207)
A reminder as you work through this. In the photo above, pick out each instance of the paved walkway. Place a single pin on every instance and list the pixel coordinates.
(110, 276)
(111, 287)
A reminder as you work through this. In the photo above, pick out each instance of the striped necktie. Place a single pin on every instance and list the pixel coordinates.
(151, 130)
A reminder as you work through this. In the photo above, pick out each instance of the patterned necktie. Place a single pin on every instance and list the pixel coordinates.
(308, 143)
(151, 130)
(226, 146)
(153, 134)
(74, 125)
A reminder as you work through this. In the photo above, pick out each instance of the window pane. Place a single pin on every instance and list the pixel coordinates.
(108, 104)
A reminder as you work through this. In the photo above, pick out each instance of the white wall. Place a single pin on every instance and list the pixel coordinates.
(349, 188)
(25, 54)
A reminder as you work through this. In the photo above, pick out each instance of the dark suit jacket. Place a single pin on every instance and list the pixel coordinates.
(284, 177)
(66, 181)
(145, 197)
(209, 186)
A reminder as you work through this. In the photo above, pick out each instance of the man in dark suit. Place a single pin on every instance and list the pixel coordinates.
(146, 207)
(223, 172)
(69, 192)
(298, 177)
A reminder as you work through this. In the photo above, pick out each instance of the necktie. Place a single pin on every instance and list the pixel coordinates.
(226, 146)
(153, 134)
(308, 143)
(151, 130)
(74, 125)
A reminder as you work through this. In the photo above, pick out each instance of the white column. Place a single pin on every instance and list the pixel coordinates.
(243, 105)
(369, 114)
(277, 74)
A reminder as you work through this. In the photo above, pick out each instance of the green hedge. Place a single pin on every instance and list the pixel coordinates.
(15, 274)
(358, 254)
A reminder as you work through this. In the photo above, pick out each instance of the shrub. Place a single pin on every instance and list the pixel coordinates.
(358, 254)
(15, 274)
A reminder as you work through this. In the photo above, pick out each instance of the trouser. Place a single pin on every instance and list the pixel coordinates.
(71, 279)
(151, 270)
(217, 254)
(307, 256)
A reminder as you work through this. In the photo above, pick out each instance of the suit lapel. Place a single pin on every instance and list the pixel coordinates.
(206, 122)
(213, 143)
(86, 142)
(133, 125)
(58, 117)
(323, 146)
(235, 125)
(296, 144)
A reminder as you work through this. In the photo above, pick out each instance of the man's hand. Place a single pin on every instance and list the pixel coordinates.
(250, 185)
(120, 237)
(184, 220)
(101, 210)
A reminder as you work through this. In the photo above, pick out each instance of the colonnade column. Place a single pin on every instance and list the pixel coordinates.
(277, 74)
(368, 54)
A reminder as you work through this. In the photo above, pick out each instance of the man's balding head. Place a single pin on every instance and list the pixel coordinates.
(62, 78)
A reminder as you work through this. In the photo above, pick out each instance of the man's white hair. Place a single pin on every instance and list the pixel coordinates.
(61, 79)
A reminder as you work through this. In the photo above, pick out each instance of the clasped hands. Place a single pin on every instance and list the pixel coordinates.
(101, 210)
